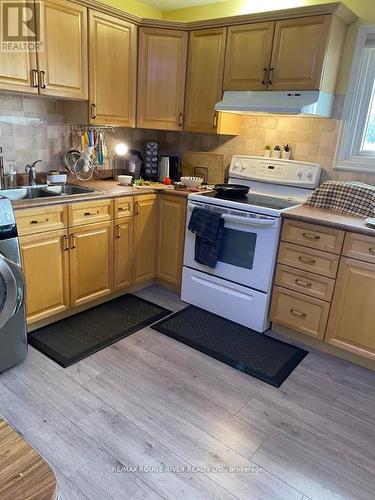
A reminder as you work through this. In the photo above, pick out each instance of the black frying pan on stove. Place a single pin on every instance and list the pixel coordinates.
(231, 190)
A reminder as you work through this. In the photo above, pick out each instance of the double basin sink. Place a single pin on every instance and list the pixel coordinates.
(44, 191)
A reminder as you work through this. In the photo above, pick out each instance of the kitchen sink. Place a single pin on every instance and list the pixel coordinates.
(44, 191)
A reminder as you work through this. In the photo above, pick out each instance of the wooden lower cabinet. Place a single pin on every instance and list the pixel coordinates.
(172, 215)
(145, 238)
(352, 317)
(123, 251)
(299, 312)
(91, 262)
(45, 261)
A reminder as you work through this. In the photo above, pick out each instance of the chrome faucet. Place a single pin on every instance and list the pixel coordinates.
(31, 170)
(2, 178)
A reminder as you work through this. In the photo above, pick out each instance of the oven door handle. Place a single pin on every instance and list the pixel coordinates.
(247, 221)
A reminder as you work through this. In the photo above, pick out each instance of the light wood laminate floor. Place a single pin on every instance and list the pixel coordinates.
(150, 402)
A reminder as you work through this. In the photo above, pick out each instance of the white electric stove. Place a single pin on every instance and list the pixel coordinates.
(239, 287)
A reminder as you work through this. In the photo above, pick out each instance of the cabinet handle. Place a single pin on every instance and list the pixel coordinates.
(43, 80)
(298, 313)
(214, 122)
(39, 221)
(66, 242)
(299, 282)
(123, 209)
(265, 76)
(270, 76)
(310, 236)
(93, 111)
(72, 241)
(136, 208)
(306, 260)
(372, 250)
(118, 228)
(181, 116)
(91, 213)
(35, 78)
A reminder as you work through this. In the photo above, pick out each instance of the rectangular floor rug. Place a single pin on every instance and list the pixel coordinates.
(256, 354)
(76, 337)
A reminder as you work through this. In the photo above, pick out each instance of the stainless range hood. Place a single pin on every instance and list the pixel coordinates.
(304, 102)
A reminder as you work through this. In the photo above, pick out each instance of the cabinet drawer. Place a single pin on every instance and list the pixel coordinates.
(359, 246)
(299, 312)
(89, 212)
(308, 259)
(38, 220)
(313, 236)
(123, 207)
(305, 282)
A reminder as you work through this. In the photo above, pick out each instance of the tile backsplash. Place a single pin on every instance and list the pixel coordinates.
(32, 128)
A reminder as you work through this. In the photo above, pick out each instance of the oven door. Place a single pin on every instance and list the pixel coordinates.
(249, 246)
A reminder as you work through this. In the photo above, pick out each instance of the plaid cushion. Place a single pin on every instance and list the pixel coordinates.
(354, 198)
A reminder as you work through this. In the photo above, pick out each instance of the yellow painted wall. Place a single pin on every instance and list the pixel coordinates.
(365, 10)
(135, 7)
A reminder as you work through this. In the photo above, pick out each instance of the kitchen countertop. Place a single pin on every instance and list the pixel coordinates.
(329, 218)
(104, 189)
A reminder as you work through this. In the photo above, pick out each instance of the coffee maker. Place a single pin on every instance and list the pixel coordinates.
(169, 167)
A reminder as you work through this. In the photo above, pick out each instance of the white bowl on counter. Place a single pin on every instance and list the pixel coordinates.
(192, 182)
(125, 180)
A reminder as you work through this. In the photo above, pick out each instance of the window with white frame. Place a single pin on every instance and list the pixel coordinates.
(356, 147)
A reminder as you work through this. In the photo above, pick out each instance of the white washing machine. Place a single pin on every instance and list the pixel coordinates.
(13, 338)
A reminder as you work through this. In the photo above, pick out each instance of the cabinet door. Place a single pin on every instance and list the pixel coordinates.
(45, 267)
(145, 238)
(113, 65)
(248, 56)
(18, 70)
(352, 317)
(123, 245)
(91, 258)
(204, 78)
(63, 63)
(161, 78)
(172, 215)
(298, 53)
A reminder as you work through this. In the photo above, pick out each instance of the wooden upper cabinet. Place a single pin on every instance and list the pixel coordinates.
(248, 56)
(204, 78)
(63, 63)
(161, 78)
(113, 70)
(18, 70)
(352, 316)
(298, 54)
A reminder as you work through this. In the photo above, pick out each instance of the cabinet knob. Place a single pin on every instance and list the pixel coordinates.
(93, 111)
(270, 75)
(35, 78)
(43, 80)
(306, 260)
(372, 250)
(265, 76)
(298, 314)
(310, 236)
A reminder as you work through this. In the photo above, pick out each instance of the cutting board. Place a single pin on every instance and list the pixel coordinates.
(209, 166)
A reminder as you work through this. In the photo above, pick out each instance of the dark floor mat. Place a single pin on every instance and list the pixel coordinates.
(75, 338)
(257, 354)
